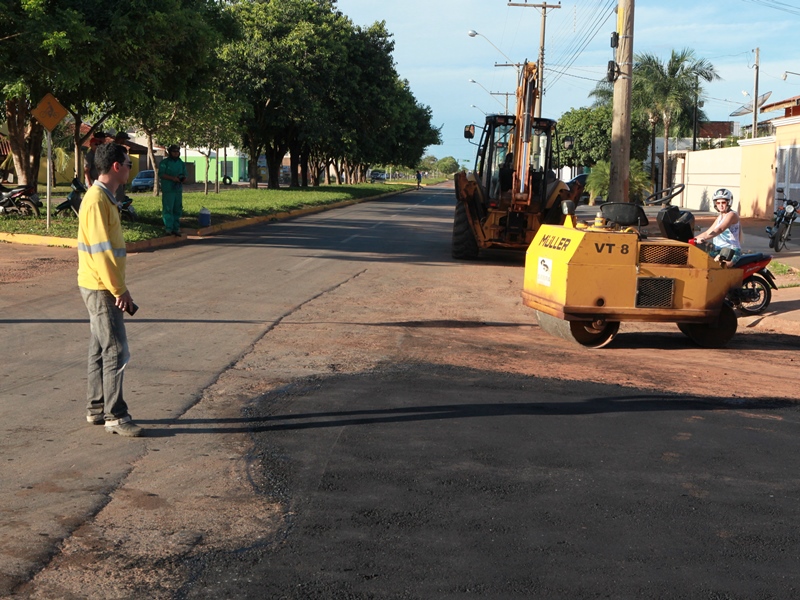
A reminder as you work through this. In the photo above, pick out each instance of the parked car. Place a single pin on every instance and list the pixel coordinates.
(378, 175)
(144, 181)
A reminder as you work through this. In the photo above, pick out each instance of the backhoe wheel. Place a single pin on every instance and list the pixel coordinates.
(464, 245)
(780, 237)
(586, 333)
(28, 209)
(756, 287)
(712, 335)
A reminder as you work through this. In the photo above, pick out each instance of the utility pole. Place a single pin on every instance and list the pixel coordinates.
(540, 63)
(755, 99)
(619, 189)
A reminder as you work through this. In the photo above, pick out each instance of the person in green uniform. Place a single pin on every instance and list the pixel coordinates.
(172, 173)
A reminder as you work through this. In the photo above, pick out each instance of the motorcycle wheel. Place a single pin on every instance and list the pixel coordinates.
(758, 287)
(27, 208)
(780, 237)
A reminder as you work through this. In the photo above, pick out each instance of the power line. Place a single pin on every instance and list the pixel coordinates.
(774, 4)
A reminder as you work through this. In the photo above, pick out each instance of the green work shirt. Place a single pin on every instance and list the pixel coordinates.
(174, 167)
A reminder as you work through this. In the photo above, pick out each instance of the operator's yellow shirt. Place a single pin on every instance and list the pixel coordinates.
(101, 245)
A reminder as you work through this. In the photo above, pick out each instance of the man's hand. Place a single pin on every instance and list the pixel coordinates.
(124, 302)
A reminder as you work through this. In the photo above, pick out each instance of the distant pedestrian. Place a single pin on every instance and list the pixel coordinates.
(101, 280)
(172, 173)
(419, 180)
(122, 138)
(89, 169)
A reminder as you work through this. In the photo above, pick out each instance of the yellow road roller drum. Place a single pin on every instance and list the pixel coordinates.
(583, 280)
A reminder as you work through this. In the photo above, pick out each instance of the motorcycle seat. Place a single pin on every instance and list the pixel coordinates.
(746, 259)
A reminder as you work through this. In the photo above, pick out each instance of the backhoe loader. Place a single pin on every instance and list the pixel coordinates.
(512, 190)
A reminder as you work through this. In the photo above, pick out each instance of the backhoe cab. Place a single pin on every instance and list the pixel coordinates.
(512, 190)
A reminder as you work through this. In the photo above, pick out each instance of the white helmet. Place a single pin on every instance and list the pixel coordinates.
(723, 194)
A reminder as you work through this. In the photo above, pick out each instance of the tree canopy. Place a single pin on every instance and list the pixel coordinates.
(591, 131)
(295, 74)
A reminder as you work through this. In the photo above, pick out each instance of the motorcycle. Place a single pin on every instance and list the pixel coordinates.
(781, 229)
(126, 210)
(20, 200)
(754, 296)
(72, 204)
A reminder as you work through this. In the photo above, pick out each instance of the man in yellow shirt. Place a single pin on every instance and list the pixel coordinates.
(101, 280)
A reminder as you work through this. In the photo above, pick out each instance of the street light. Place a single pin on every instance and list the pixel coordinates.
(488, 92)
(785, 73)
(479, 108)
(473, 33)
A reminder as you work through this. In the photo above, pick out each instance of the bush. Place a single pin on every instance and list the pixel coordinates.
(599, 181)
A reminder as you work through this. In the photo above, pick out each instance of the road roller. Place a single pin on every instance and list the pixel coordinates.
(584, 279)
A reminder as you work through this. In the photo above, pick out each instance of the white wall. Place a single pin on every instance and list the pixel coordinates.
(705, 171)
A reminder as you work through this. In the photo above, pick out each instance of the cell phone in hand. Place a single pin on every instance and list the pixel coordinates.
(132, 308)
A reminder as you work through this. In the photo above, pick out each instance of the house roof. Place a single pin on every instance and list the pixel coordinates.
(781, 104)
(5, 145)
(133, 147)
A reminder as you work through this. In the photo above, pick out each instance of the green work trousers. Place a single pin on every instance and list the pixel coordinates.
(171, 210)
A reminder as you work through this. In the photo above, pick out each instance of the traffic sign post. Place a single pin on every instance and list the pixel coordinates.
(49, 113)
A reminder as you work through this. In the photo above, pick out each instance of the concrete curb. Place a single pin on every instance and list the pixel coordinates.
(199, 234)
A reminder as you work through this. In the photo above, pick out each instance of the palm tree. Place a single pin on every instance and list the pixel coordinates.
(669, 88)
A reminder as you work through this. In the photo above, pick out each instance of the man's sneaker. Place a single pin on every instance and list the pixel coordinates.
(124, 427)
(96, 419)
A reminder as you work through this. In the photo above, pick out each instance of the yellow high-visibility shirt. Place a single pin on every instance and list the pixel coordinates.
(101, 245)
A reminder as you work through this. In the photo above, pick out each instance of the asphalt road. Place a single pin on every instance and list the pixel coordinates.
(435, 482)
(337, 409)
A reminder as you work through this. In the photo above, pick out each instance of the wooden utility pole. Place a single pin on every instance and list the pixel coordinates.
(619, 187)
(540, 62)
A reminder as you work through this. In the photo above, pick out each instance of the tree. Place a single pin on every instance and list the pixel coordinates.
(599, 180)
(669, 88)
(591, 131)
(448, 165)
(99, 58)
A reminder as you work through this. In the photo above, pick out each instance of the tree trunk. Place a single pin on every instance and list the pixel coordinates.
(151, 160)
(25, 136)
(665, 159)
(653, 156)
(275, 156)
(254, 151)
(208, 166)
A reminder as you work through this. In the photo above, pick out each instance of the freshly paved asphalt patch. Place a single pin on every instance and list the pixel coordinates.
(435, 482)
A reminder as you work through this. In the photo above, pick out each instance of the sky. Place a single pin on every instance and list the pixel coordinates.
(434, 52)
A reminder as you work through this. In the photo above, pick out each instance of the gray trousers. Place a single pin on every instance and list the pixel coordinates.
(108, 355)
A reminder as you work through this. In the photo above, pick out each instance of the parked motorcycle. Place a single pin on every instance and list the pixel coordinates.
(126, 210)
(20, 200)
(754, 296)
(72, 204)
(781, 229)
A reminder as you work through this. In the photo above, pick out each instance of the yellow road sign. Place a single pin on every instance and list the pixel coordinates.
(49, 112)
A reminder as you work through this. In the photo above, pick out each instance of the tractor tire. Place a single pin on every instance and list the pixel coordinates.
(712, 335)
(585, 333)
(464, 245)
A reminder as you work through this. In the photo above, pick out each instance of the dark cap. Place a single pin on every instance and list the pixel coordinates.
(99, 135)
(121, 135)
(174, 148)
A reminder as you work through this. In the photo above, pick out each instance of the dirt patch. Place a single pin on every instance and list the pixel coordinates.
(19, 262)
